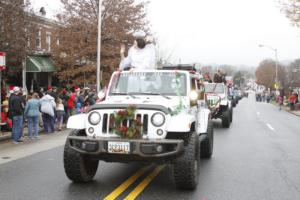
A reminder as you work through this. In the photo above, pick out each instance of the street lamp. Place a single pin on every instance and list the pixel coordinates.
(276, 59)
(99, 46)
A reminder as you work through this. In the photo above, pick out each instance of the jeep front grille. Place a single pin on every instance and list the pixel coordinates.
(108, 122)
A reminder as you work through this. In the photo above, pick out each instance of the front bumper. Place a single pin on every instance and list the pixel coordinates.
(140, 149)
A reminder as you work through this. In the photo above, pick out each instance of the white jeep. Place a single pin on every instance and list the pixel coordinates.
(218, 102)
(147, 116)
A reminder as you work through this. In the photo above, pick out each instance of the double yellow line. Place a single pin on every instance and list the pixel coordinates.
(139, 188)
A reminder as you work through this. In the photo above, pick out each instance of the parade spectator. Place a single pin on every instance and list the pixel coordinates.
(292, 101)
(86, 91)
(16, 114)
(6, 122)
(230, 91)
(80, 99)
(268, 96)
(41, 92)
(280, 98)
(52, 92)
(78, 108)
(3, 90)
(263, 96)
(60, 113)
(90, 98)
(32, 113)
(72, 103)
(65, 97)
(280, 101)
(48, 106)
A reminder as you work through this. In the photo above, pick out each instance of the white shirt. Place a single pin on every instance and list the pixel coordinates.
(140, 58)
(60, 107)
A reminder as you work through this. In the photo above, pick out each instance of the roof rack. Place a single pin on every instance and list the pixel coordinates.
(185, 67)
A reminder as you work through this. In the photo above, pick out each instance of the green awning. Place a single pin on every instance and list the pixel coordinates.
(39, 64)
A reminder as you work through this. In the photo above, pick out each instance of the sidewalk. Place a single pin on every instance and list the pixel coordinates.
(287, 109)
(295, 112)
(10, 151)
(7, 135)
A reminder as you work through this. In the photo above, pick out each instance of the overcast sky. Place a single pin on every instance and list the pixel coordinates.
(217, 31)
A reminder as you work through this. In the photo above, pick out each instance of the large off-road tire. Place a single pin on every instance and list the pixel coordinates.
(78, 167)
(186, 167)
(206, 146)
(226, 118)
(231, 115)
(233, 103)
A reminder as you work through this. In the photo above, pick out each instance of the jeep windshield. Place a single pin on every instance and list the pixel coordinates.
(149, 83)
(214, 88)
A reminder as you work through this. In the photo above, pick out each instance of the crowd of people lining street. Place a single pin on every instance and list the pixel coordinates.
(281, 97)
(49, 109)
(54, 107)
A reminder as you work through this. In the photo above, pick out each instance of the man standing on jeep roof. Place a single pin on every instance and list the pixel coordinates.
(141, 55)
(219, 77)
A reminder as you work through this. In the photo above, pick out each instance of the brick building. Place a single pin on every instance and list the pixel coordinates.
(27, 39)
(39, 65)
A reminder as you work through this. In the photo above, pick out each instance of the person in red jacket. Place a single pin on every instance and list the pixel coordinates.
(292, 101)
(72, 103)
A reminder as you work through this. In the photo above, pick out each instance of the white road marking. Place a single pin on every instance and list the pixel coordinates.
(270, 127)
(258, 113)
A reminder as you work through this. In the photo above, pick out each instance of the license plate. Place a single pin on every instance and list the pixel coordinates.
(119, 147)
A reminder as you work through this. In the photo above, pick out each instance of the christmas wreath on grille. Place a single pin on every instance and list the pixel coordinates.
(120, 123)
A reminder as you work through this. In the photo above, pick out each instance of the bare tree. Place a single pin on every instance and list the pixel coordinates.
(293, 74)
(292, 10)
(14, 31)
(266, 72)
(76, 54)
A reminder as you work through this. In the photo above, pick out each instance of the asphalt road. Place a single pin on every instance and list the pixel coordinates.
(258, 157)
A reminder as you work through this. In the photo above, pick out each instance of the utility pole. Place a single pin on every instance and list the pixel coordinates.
(98, 81)
(276, 63)
(24, 73)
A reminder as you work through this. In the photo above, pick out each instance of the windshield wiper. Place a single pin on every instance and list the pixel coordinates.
(124, 93)
(151, 93)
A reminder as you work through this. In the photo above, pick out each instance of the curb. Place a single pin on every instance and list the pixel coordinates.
(8, 135)
(298, 115)
(286, 109)
(5, 137)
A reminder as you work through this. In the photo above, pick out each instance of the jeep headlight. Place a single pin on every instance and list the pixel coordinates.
(158, 119)
(94, 118)
(194, 95)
